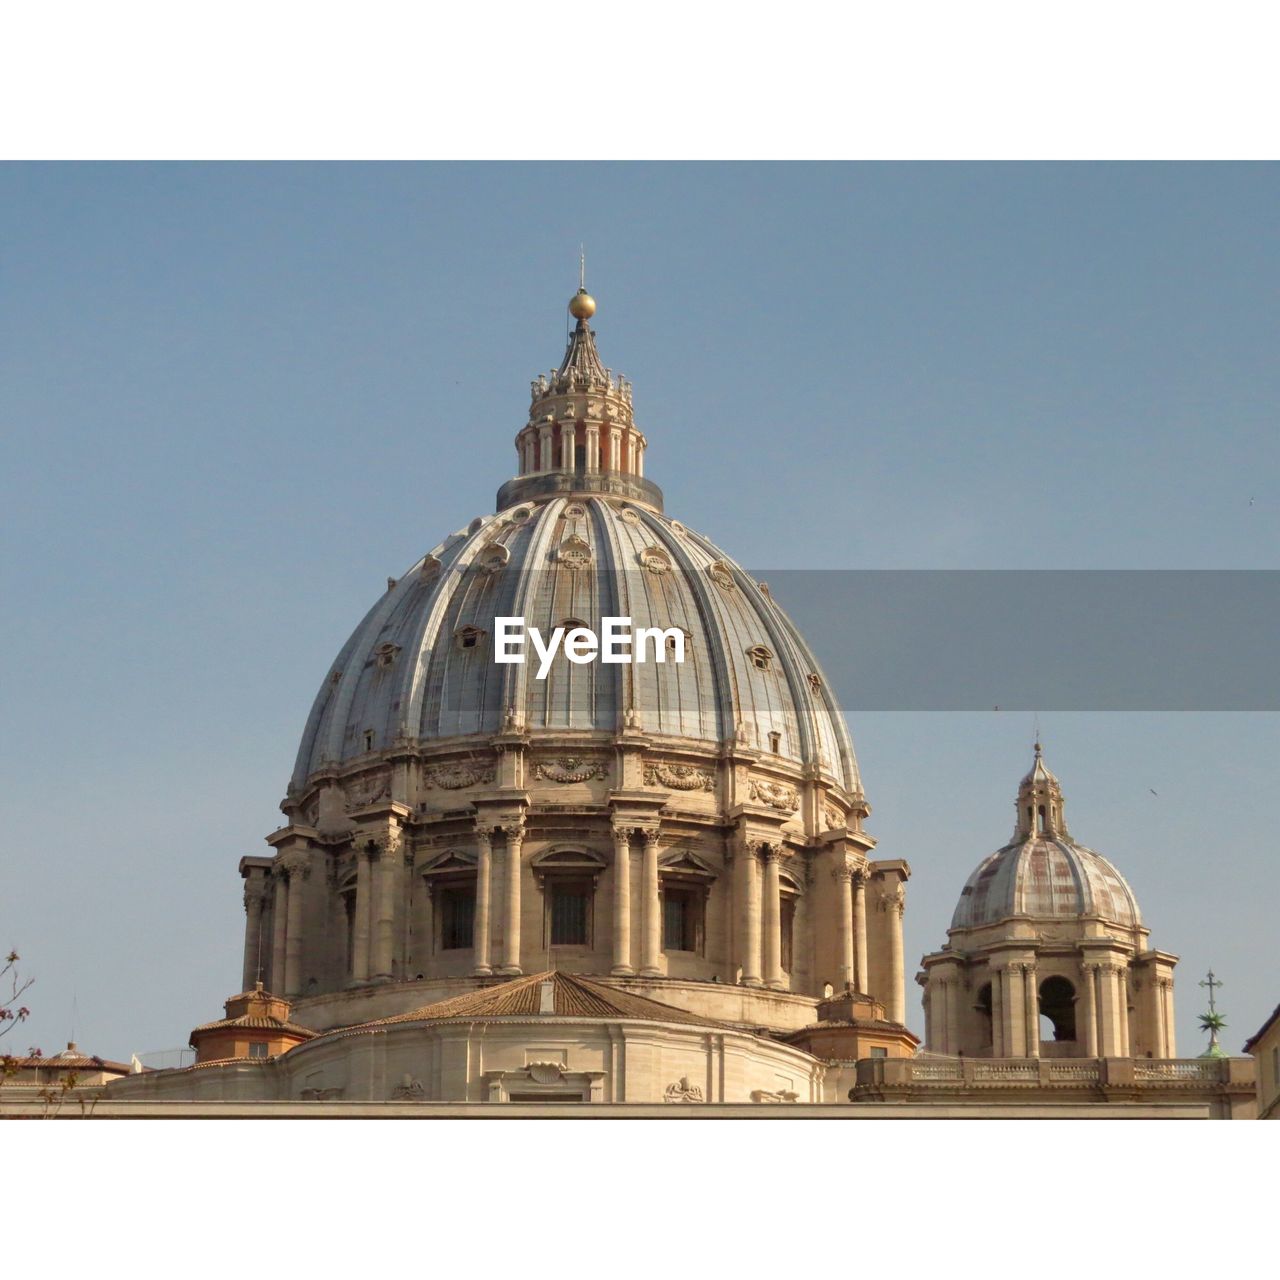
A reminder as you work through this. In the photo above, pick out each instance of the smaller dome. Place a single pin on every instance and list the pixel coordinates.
(1045, 876)
(1042, 871)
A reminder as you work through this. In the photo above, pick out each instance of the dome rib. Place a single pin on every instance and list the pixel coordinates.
(724, 691)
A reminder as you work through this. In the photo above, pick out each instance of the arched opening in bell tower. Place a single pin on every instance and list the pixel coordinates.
(1057, 1009)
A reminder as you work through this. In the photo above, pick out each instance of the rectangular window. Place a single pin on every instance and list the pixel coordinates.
(258, 1050)
(681, 919)
(569, 905)
(879, 1052)
(788, 933)
(457, 918)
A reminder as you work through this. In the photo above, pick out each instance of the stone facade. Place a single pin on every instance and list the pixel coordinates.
(1224, 1087)
(1265, 1048)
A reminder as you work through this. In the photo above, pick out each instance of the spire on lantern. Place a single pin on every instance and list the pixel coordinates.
(582, 306)
(582, 369)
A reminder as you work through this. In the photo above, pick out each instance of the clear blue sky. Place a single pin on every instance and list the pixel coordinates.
(237, 398)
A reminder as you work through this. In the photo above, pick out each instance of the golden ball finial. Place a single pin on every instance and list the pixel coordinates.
(582, 306)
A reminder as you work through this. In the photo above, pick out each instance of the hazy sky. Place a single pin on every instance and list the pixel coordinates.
(236, 398)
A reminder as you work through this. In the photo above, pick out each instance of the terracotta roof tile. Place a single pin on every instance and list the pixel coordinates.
(69, 1062)
(258, 1023)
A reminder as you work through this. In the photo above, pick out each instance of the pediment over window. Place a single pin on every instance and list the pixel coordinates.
(452, 860)
(573, 861)
(790, 883)
(687, 864)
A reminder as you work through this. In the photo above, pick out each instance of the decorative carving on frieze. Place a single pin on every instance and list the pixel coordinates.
(546, 1072)
(683, 1091)
(778, 1095)
(368, 790)
(408, 1090)
(567, 769)
(834, 819)
(774, 794)
(679, 777)
(454, 777)
(321, 1095)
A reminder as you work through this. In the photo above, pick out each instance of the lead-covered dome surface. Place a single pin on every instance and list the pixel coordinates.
(420, 667)
(1045, 876)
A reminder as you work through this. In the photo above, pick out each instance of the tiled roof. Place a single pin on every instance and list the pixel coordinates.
(573, 996)
(70, 1062)
(862, 1024)
(256, 1022)
(1262, 1030)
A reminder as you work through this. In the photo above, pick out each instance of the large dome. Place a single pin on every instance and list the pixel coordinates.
(420, 666)
(455, 815)
(579, 535)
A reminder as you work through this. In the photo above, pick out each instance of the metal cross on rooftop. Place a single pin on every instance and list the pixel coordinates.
(1211, 982)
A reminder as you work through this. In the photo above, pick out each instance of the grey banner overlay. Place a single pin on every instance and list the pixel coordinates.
(1016, 640)
(1040, 640)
